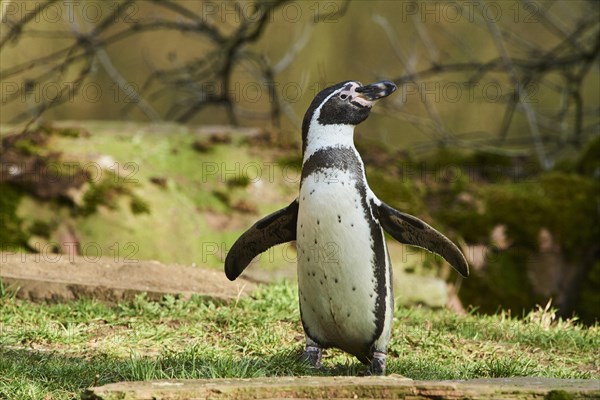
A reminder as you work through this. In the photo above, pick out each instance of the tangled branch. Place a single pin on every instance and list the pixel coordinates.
(202, 82)
(572, 59)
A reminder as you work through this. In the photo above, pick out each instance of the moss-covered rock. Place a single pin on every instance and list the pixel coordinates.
(502, 285)
(563, 204)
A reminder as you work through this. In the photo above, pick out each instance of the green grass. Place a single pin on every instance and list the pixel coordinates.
(56, 351)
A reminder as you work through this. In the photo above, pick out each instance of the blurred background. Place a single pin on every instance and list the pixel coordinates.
(163, 129)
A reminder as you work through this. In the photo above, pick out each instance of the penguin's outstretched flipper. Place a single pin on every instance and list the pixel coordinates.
(276, 228)
(411, 230)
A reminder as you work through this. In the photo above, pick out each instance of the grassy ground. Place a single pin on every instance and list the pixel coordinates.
(55, 351)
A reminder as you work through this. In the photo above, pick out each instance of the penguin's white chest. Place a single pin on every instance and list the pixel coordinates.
(336, 276)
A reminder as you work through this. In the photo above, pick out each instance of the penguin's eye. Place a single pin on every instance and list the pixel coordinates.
(343, 96)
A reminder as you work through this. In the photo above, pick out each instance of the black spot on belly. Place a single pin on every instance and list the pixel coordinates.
(353, 288)
(336, 280)
(318, 222)
(321, 281)
(339, 219)
(348, 315)
(352, 225)
(315, 240)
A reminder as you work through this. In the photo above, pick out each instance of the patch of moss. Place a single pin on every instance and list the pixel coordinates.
(444, 157)
(559, 395)
(503, 286)
(40, 228)
(68, 132)
(223, 197)
(202, 146)
(565, 204)
(106, 193)
(482, 165)
(589, 161)
(403, 194)
(12, 236)
(523, 209)
(588, 306)
(139, 205)
(103, 193)
(27, 147)
(240, 180)
(473, 226)
(572, 212)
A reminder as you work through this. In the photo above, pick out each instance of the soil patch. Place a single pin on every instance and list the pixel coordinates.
(61, 277)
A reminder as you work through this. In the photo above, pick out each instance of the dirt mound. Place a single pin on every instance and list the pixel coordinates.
(61, 277)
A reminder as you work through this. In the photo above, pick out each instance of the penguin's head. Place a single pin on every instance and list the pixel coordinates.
(346, 103)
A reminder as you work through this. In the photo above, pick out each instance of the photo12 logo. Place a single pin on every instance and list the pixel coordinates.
(67, 92)
(290, 12)
(69, 11)
(470, 11)
(92, 252)
(70, 171)
(472, 92)
(326, 252)
(252, 171)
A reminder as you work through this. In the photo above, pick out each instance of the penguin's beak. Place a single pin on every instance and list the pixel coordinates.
(376, 91)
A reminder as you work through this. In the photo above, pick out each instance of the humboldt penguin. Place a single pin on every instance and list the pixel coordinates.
(344, 270)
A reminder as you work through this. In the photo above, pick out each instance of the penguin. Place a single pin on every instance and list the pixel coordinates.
(344, 269)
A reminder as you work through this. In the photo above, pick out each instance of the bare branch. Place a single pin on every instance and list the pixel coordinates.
(17, 27)
(408, 65)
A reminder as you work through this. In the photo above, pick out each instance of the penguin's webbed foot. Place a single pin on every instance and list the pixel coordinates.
(377, 366)
(312, 356)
